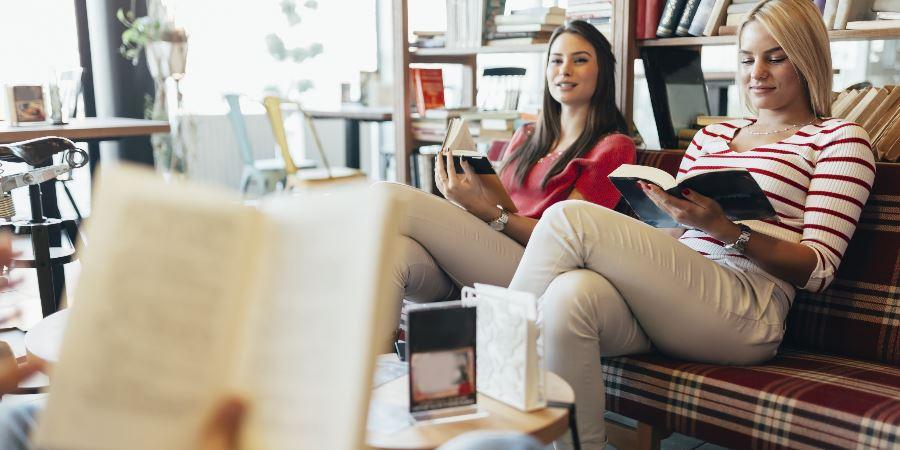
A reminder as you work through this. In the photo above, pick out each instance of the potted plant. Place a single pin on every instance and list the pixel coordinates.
(165, 47)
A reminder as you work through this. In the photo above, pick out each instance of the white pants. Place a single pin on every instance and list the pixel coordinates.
(444, 247)
(610, 285)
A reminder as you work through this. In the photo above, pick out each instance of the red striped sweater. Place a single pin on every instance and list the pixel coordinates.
(817, 180)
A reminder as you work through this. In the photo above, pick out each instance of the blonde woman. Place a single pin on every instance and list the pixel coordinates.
(720, 290)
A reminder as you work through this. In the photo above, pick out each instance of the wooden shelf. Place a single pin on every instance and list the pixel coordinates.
(835, 35)
(534, 48)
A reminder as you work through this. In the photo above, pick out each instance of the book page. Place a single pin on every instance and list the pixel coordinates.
(647, 173)
(147, 347)
(310, 355)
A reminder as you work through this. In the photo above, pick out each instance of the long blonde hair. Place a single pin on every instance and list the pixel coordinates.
(798, 28)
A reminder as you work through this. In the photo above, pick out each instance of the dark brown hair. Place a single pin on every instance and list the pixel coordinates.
(603, 116)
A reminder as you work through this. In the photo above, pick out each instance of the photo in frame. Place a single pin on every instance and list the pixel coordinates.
(26, 103)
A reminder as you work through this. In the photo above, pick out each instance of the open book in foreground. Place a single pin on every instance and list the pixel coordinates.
(187, 296)
(458, 141)
(734, 189)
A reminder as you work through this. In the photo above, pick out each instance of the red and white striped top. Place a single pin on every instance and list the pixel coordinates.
(817, 180)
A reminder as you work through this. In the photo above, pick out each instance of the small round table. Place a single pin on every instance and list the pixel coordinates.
(43, 340)
(545, 425)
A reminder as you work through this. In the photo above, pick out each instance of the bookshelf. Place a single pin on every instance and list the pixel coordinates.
(623, 48)
(629, 56)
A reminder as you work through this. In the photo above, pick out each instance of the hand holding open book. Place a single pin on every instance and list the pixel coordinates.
(460, 145)
(734, 190)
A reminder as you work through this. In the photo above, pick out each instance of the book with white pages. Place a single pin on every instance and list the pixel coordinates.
(508, 346)
(458, 141)
(187, 297)
(739, 195)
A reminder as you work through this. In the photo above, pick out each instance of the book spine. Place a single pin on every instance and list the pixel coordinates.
(842, 16)
(886, 5)
(654, 12)
(716, 18)
(701, 17)
(640, 17)
(687, 16)
(670, 16)
(821, 5)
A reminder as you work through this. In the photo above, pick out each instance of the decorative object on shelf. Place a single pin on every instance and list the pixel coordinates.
(26, 103)
(165, 46)
(64, 89)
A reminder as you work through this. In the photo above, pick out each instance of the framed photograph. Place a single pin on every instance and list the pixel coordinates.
(26, 103)
(441, 355)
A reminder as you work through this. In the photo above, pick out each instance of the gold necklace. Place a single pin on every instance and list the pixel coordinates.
(765, 133)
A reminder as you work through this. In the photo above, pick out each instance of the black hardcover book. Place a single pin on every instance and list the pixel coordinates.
(687, 17)
(677, 90)
(735, 190)
(671, 15)
(480, 164)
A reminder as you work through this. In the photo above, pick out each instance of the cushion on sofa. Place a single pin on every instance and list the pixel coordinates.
(797, 400)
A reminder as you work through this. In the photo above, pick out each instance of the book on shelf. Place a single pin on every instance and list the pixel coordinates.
(734, 189)
(222, 303)
(596, 7)
(687, 17)
(727, 30)
(671, 15)
(716, 18)
(866, 104)
(640, 16)
(873, 25)
(525, 27)
(518, 34)
(887, 15)
(698, 23)
(589, 16)
(821, 5)
(828, 13)
(886, 5)
(519, 19)
(654, 9)
(540, 10)
(687, 133)
(733, 20)
(852, 10)
(428, 86)
(509, 42)
(740, 8)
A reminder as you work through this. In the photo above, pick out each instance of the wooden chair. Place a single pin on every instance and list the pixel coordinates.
(267, 174)
(307, 178)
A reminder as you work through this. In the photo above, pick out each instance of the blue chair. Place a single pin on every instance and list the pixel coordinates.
(268, 174)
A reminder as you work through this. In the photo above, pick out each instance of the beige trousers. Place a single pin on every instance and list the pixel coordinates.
(443, 247)
(610, 285)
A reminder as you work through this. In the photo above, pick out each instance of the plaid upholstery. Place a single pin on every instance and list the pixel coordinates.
(797, 400)
(859, 314)
(819, 392)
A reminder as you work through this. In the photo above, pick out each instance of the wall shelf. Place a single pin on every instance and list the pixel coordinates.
(835, 35)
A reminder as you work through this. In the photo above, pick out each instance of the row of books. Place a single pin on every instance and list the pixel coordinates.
(485, 126)
(669, 18)
(526, 26)
(595, 12)
(878, 111)
(860, 14)
(462, 30)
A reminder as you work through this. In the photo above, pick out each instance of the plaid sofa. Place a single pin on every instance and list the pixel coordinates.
(836, 380)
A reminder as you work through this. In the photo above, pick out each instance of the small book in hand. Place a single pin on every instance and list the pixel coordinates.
(460, 144)
(734, 189)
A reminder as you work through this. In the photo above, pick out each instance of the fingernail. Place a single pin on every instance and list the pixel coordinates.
(685, 192)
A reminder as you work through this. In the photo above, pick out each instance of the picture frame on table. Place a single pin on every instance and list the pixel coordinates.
(25, 103)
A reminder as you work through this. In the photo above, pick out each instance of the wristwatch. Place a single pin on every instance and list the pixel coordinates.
(499, 223)
(741, 242)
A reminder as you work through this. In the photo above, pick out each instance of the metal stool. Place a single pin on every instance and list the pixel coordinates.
(47, 260)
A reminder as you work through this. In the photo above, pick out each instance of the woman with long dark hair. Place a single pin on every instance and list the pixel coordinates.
(578, 140)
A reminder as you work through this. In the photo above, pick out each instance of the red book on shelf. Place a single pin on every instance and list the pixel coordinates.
(640, 14)
(429, 88)
(652, 12)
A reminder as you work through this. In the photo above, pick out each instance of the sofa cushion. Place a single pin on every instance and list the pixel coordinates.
(859, 314)
(796, 400)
